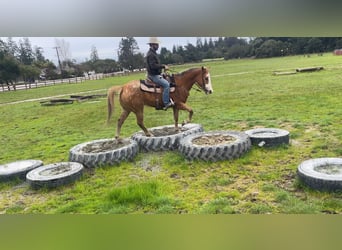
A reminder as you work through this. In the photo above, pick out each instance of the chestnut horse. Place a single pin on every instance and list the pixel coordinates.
(133, 99)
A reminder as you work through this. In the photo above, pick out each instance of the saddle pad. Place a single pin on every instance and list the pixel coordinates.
(152, 87)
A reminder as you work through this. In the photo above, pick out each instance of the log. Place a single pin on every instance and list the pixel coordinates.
(284, 73)
(310, 69)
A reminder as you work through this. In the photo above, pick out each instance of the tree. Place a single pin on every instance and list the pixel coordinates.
(270, 48)
(29, 72)
(314, 45)
(50, 71)
(106, 66)
(94, 56)
(237, 51)
(138, 61)
(128, 51)
(9, 70)
(165, 56)
(38, 54)
(191, 53)
(63, 51)
(11, 47)
(2, 47)
(25, 52)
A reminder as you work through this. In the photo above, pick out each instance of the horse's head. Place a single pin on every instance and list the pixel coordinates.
(204, 81)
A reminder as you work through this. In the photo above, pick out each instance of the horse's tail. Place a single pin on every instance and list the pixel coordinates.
(110, 99)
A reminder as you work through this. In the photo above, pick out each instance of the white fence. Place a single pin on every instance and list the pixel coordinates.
(43, 83)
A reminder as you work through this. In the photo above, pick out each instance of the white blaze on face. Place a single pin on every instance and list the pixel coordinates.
(208, 85)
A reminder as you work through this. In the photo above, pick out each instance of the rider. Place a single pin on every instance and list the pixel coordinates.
(154, 70)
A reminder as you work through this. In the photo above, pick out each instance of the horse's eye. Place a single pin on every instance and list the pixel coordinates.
(206, 78)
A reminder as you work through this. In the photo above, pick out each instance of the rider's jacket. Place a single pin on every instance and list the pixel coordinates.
(153, 65)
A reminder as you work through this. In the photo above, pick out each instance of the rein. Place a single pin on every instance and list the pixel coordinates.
(196, 85)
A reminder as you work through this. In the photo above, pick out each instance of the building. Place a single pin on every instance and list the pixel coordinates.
(338, 52)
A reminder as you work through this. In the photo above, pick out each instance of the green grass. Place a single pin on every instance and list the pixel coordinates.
(246, 95)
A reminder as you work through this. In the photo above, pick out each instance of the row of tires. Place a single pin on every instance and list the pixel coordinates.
(184, 141)
(191, 141)
(111, 152)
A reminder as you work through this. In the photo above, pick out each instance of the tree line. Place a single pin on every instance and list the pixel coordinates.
(21, 61)
(256, 47)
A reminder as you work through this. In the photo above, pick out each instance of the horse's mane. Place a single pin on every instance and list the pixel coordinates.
(186, 71)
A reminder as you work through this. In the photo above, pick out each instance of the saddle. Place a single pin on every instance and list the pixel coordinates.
(147, 85)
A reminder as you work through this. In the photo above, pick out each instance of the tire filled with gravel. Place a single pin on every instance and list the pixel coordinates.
(54, 175)
(165, 137)
(103, 152)
(215, 145)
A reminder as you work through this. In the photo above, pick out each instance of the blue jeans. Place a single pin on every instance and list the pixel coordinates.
(158, 79)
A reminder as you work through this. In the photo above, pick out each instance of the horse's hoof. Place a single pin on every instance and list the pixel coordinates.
(118, 139)
(149, 134)
(184, 122)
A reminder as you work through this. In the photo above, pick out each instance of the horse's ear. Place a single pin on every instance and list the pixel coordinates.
(204, 69)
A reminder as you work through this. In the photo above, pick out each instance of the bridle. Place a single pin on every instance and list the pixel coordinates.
(199, 87)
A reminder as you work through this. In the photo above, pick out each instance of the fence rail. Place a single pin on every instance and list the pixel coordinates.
(43, 83)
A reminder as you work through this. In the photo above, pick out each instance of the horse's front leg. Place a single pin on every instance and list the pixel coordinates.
(175, 117)
(183, 106)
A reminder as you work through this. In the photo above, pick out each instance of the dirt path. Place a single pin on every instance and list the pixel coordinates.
(50, 97)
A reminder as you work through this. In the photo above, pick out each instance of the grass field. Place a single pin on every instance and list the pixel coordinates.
(246, 95)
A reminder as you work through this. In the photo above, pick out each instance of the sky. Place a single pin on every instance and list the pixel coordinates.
(107, 47)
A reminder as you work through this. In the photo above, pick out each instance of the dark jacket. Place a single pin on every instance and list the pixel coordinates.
(153, 65)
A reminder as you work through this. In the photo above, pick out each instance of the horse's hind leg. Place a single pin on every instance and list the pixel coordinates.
(121, 120)
(140, 122)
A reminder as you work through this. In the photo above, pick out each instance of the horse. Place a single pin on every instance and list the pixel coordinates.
(133, 99)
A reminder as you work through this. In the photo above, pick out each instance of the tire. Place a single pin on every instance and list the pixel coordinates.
(164, 142)
(54, 175)
(113, 156)
(18, 169)
(268, 137)
(218, 152)
(323, 174)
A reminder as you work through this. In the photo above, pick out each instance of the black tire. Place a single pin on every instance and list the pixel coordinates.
(54, 175)
(18, 169)
(268, 137)
(165, 142)
(224, 151)
(125, 151)
(323, 174)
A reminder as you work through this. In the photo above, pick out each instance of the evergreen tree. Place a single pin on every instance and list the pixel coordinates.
(25, 52)
(94, 56)
(128, 48)
(9, 69)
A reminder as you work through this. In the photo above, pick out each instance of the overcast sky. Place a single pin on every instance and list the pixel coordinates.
(80, 47)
